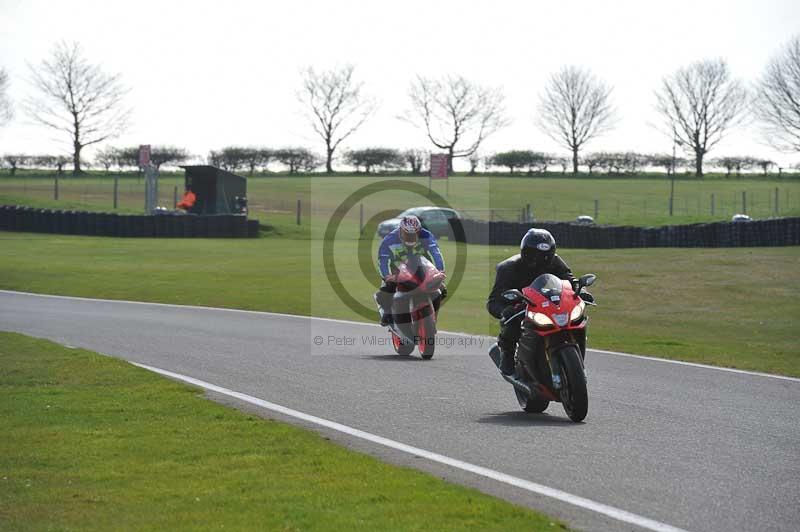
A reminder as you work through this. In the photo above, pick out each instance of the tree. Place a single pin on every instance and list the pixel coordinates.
(764, 164)
(665, 161)
(126, 157)
(77, 98)
(374, 157)
(230, 158)
(777, 102)
(564, 163)
(336, 104)
(474, 161)
(297, 159)
(699, 103)
(169, 155)
(514, 159)
(15, 160)
(6, 111)
(107, 157)
(613, 162)
(255, 157)
(51, 161)
(633, 162)
(416, 160)
(593, 160)
(575, 108)
(738, 163)
(728, 163)
(456, 114)
(538, 163)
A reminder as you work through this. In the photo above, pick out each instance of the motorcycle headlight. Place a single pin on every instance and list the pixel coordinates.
(541, 321)
(577, 313)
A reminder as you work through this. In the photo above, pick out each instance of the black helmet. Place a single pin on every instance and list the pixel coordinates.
(538, 247)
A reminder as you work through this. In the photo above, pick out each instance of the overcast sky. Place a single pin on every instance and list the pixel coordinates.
(208, 74)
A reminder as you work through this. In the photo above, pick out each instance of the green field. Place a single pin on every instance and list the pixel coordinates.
(93, 443)
(620, 201)
(733, 307)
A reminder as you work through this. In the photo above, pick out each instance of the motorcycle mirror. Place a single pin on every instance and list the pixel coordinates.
(587, 297)
(512, 295)
(588, 279)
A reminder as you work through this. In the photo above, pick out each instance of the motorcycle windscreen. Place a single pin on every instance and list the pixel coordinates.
(548, 285)
(415, 272)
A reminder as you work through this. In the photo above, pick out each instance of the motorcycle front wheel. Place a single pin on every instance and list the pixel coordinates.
(426, 334)
(573, 384)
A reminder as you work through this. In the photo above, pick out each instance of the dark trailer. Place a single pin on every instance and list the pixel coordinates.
(217, 191)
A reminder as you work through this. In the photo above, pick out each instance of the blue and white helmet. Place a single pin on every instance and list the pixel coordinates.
(410, 226)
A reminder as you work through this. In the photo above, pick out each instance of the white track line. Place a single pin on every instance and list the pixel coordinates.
(366, 324)
(695, 365)
(609, 511)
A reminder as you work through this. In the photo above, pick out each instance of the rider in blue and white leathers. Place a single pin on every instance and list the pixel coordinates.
(408, 239)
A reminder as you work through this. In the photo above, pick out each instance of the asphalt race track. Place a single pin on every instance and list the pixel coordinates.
(675, 446)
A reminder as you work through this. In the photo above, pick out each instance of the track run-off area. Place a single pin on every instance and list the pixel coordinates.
(666, 445)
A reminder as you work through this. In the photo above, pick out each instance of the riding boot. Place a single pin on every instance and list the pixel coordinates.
(507, 342)
(383, 298)
(507, 364)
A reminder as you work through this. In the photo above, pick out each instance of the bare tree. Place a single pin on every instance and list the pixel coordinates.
(456, 114)
(16, 160)
(336, 104)
(6, 111)
(416, 159)
(107, 157)
(78, 98)
(699, 103)
(777, 102)
(575, 108)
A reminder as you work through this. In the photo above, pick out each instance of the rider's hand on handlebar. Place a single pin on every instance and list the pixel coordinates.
(511, 310)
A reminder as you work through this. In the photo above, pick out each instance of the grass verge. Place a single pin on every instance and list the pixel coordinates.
(733, 307)
(612, 200)
(93, 443)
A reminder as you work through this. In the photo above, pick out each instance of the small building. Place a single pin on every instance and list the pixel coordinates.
(217, 191)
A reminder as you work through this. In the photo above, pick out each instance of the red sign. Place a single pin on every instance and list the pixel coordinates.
(144, 155)
(438, 166)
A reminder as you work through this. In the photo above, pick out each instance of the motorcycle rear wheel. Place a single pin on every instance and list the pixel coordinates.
(531, 405)
(401, 347)
(574, 397)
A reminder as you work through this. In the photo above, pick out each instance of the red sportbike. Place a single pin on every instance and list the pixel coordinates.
(552, 347)
(415, 307)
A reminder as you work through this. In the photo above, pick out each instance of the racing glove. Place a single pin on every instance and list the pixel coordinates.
(510, 310)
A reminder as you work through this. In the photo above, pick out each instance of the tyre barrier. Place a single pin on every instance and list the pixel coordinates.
(28, 219)
(758, 233)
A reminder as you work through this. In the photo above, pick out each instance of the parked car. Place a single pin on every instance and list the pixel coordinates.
(588, 220)
(741, 218)
(434, 219)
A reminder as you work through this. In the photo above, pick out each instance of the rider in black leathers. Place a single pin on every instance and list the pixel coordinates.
(537, 256)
